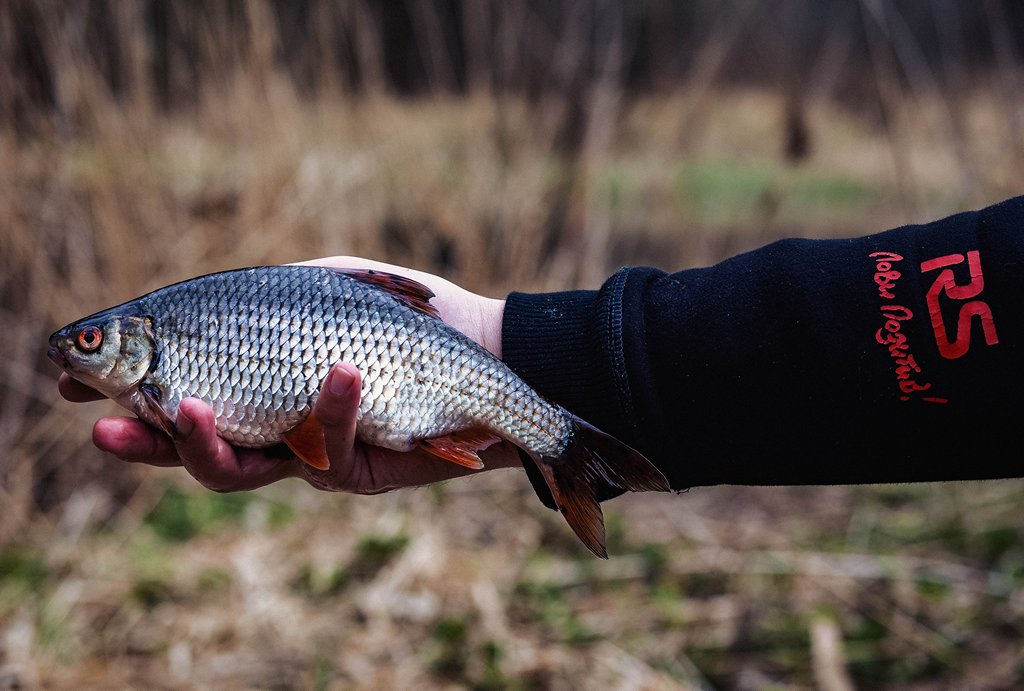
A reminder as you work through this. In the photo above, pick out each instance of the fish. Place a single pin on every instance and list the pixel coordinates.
(257, 343)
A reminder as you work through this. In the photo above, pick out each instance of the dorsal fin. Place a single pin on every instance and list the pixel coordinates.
(405, 290)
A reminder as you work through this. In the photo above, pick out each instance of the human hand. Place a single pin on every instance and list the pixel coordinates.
(355, 467)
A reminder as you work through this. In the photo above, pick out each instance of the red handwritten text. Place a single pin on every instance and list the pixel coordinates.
(891, 334)
(885, 275)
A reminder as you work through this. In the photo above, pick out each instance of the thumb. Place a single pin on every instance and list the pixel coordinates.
(337, 408)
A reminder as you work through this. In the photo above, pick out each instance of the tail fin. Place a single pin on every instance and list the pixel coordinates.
(593, 457)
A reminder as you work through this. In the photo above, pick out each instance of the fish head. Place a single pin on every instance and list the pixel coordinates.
(109, 351)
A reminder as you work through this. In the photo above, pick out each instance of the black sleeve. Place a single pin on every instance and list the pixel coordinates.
(888, 358)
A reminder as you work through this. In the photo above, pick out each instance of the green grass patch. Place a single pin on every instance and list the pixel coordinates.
(281, 514)
(323, 670)
(321, 583)
(724, 192)
(548, 604)
(179, 516)
(993, 545)
(931, 589)
(729, 192)
(492, 678)
(702, 585)
(622, 187)
(213, 581)
(615, 532)
(816, 188)
(150, 592)
(655, 560)
(374, 552)
(23, 569)
(451, 635)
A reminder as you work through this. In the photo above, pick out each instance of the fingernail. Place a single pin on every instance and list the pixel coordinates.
(185, 424)
(339, 381)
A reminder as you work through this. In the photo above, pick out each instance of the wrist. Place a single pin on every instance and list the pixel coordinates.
(491, 314)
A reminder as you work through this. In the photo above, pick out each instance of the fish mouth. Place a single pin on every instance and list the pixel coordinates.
(55, 354)
(57, 357)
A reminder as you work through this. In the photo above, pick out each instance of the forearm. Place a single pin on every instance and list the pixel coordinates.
(892, 357)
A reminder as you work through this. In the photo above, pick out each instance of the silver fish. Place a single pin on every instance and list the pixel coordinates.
(256, 345)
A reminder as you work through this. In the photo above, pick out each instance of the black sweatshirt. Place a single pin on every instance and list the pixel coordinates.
(888, 358)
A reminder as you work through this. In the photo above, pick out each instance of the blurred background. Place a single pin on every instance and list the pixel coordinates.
(528, 145)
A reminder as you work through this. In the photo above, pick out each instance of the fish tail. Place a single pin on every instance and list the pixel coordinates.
(591, 459)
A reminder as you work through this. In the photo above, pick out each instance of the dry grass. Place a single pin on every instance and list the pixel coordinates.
(115, 576)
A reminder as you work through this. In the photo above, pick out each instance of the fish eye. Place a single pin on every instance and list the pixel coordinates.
(89, 339)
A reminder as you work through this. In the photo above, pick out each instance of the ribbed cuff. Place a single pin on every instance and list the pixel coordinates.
(545, 339)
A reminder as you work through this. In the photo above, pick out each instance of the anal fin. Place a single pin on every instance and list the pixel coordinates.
(307, 441)
(461, 447)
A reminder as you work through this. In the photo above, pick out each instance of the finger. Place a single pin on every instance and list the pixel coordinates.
(207, 457)
(134, 441)
(337, 408)
(258, 469)
(501, 455)
(214, 462)
(75, 391)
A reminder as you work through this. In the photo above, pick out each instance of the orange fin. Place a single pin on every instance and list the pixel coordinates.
(405, 290)
(461, 447)
(307, 441)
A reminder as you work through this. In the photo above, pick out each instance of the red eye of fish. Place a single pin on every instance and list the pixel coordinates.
(89, 339)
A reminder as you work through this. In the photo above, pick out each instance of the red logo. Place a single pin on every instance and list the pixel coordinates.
(946, 283)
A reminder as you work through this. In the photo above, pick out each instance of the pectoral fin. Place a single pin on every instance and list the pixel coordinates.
(307, 441)
(152, 395)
